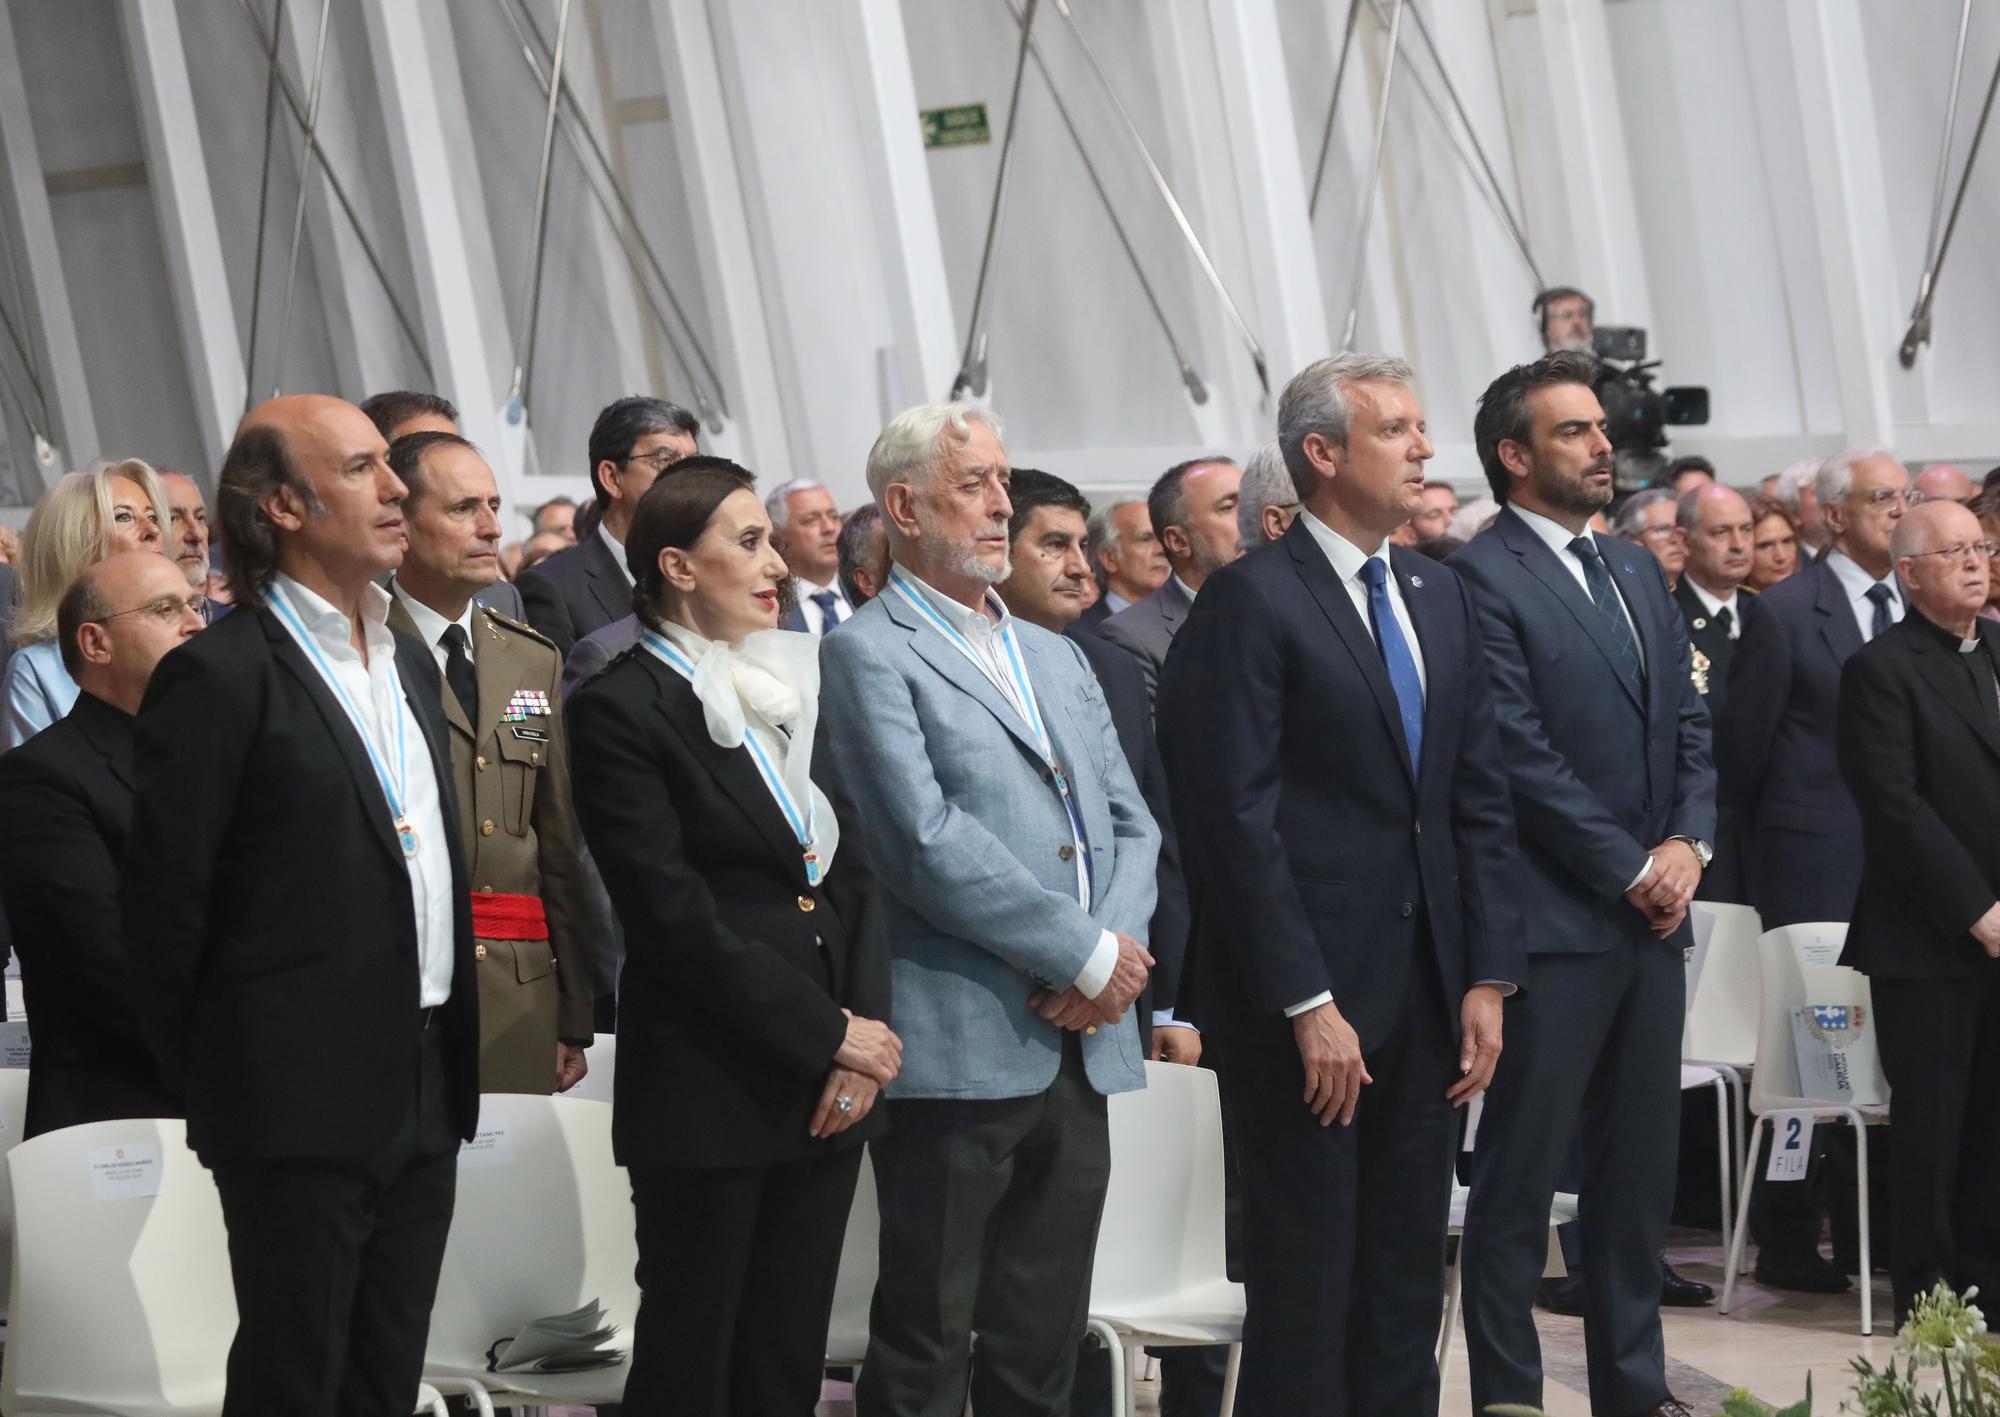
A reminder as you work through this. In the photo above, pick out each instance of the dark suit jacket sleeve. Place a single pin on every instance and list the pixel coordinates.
(1905, 835)
(556, 845)
(542, 601)
(1124, 637)
(581, 661)
(1167, 941)
(1482, 827)
(1694, 743)
(1760, 680)
(1221, 718)
(635, 833)
(1551, 807)
(193, 735)
(53, 853)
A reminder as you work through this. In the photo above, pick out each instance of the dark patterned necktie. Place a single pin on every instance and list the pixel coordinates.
(1610, 609)
(1883, 598)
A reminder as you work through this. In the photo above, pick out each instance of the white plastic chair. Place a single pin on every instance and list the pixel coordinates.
(1158, 1277)
(543, 1223)
(120, 1305)
(1774, 1082)
(603, 1058)
(1562, 1210)
(1720, 1033)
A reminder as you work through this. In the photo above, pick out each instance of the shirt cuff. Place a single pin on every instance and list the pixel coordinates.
(1507, 991)
(1644, 871)
(1322, 997)
(1096, 972)
(1164, 1018)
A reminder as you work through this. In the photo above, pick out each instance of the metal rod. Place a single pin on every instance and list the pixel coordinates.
(1925, 280)
(624, 236)
(531, 297)
(1332, 107)
(577, 122)
(972, 367)
(306, 158)
(1374, 179)
(1197, 389)
(339, 190)
(1506, 208)
(1166, 192)
(263, 202)
(1920, 323)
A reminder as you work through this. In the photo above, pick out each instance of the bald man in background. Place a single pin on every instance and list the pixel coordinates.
(1943, 482)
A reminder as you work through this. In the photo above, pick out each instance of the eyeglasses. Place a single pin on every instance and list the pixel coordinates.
(1658, 533)
(168, 610)
(659, 460)
(1886, 496)
(1982, 550)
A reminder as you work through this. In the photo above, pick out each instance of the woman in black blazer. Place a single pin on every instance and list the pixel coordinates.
(750, 1050)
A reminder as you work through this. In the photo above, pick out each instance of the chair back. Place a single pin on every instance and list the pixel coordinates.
(1722, 1012)
(603, 1059)
(120, 1300)
(854, 1286)
(1162, 1230)
(1787, 958)
(542, 1225)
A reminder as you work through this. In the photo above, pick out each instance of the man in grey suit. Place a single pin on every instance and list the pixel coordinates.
(1018, 882)
(1193, 507)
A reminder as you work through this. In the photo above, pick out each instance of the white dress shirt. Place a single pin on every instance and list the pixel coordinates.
(802, 592)
(1186, 589)
(372, 695)
(1714, 607)
(1857, 583)
(431, 625)
(1347, 559)
(617, 553)
(982, 630)
(1557, 538)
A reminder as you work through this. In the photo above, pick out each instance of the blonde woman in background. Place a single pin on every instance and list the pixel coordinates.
(85, 517)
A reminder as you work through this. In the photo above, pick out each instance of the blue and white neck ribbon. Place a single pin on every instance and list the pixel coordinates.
(773, 674)
(394, 788)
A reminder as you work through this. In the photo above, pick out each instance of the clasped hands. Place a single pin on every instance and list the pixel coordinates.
(1663, 893)
(868, 1060)
(1073, 1010)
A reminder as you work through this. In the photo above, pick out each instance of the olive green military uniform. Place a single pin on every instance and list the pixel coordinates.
(519, 832)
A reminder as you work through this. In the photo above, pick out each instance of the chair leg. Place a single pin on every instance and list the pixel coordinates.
(1122, 1396)
(1742, 1227)
(1231, 1370)
(1722, 1108)
(1866, 1279)
(1454, 1290)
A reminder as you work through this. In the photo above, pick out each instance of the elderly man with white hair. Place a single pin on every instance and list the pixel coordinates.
(805, 527)
(1018, 879)
(1267, 501)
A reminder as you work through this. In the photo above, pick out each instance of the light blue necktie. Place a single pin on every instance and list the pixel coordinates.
(1396, 656)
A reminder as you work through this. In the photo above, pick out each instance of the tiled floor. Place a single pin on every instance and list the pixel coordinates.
(1767, 1345)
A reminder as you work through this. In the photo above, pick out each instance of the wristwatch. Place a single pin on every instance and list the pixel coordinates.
(1703, 852)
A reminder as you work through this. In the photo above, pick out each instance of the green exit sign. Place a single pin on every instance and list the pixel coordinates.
(955, 127)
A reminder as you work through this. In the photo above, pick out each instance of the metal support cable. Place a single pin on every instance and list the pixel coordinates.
(1920, 322)
(626, 241)
(1332, 107)
(531, 296)
(306, 159)
(972, 366)
(1166, 192)
(1197, 389)
(296, 108)
(577, 124)
(1919, 310)
(1374, 179)
(263, 202)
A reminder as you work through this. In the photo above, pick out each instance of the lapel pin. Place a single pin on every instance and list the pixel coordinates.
(1416, 582)
(1700, 622)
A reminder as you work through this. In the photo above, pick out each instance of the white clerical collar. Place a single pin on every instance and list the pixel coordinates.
(431, 625)
(1346, 558)
(617, 553)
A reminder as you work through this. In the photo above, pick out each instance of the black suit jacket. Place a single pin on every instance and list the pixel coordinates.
(1314, 858)
(1714, 644)
(579, 589)
(1600, 774)
(1800, 827)
(1919, 745)
(1125, 695)
(268, 904)
(65, 812)
(736, 969)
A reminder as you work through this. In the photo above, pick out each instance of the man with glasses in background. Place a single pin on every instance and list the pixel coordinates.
(65, 811)
(1776, 762)
(586, 587)
(1649, 519)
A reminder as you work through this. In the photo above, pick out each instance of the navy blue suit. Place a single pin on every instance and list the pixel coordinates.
(1317, 862)
(1602, 771)
(1776, 752)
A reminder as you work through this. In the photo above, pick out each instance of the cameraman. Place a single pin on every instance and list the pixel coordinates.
(1567, 319)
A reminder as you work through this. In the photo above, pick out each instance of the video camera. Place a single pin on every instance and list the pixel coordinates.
(1637, 412)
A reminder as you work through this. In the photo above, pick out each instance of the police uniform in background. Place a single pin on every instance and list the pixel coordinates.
(519, 832)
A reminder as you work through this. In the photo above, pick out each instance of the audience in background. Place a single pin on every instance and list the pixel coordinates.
(1474, 517)
(1266, 501)
(1943, 482)
(863, 552)
(1193, 511)
(539, 547)
(806, 528)
(1649, 519)
(1684, 474)
(555, 517)
(1716, 526)
(1774, 547)
(65, 814)
(85, 517)
(1797, 492)
(187, 532)
(1125, 549)
(404, 411)
(1986, 506)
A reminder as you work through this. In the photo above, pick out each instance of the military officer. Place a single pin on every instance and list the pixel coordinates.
(502, 701)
